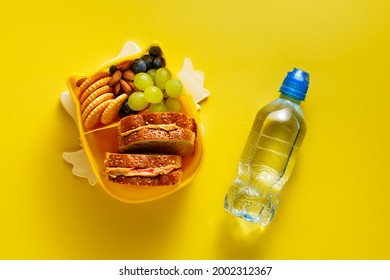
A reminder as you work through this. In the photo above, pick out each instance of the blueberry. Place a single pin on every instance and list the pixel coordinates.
(126, 109)
(148, 61)
(122, 113)
(158, 62)
(155, 51)
(138, 66)
(112, 69)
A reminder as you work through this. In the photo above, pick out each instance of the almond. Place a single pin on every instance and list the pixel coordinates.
(128, 75)
(117, 88)
(125, 86)
(133, 87)
(115, 77)
(124, 65)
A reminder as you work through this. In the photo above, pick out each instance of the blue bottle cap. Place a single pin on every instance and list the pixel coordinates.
(296, 84)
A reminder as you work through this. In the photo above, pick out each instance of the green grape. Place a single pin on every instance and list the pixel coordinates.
(173, 104)
(153, 94)
(163, 75)
(157, 107)
(152, 73)
(174, 87)
(137, 101)
(143, 80)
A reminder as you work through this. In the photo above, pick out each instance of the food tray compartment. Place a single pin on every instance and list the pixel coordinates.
(104, 138)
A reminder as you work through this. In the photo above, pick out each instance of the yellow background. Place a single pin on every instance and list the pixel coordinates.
(335, 206)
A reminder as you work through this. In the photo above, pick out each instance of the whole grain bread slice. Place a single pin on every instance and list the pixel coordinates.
(165, 133)
(142, 169)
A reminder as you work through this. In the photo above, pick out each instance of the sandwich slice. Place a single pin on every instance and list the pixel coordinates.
(143, 169)
(162, 133)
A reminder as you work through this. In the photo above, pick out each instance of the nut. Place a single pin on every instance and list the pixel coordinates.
(117, 88)
(128, 75)
(115, 78)
(125, 86)
(133, 87)
(124, 65)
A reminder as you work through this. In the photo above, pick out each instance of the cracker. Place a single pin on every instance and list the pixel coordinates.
(94, 117)
(98, 84)
(111, 111)
(95, 94)
(96, 103)
(90, 80)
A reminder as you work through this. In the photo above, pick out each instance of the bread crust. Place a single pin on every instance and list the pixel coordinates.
(134, 121)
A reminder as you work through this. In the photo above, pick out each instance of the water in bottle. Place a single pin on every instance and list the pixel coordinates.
(270, 152)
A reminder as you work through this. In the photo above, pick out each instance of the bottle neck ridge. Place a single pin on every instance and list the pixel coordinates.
(291, 99)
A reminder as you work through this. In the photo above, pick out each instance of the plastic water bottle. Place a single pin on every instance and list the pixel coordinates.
(270, 152)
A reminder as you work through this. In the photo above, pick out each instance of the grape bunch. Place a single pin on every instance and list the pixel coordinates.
(154, 86)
